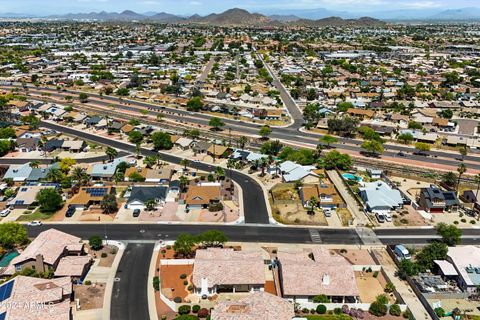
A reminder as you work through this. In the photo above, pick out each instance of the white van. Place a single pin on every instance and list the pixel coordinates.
(402, 252)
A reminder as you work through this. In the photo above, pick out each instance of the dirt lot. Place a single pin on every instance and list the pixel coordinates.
(171, 284)
(91, 297)
(107, 261)
(369, 287)
(295, 213)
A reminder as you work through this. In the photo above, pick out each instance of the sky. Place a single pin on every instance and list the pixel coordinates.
(42, 7)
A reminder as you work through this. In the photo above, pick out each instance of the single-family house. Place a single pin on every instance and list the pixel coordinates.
(466, 260)
(226, 270)
(436, 200)
(139, 195)
(202, 196)
(379, 196)
(18, 173)
(104, 171)
(26, 196)
(88, 196)
(325, 194)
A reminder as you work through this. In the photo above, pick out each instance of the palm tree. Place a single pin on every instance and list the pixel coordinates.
(81, 176)
(119, 177)
(242, 141)
(34, 164)
(461, 170)
(111, 153)
(230, 166)
(477, 181)
(463, 152)
(263, 165)
(150, 161)
(183, 180)
(220, 173)
(54, 175)
(184, 163)
(138, 149)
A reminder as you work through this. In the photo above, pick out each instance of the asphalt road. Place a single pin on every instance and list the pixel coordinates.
(129, 294)
(291, 133)
(9, 161)
(254, 202)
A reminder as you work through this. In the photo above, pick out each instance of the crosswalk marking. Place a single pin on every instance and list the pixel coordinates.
(315, 236)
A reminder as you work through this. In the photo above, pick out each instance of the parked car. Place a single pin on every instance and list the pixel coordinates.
(380, 217)
(327, 212)
(5, 212)
(402, 252)
(388, 217)
(70, 211)
(136, 212)
(35, 223)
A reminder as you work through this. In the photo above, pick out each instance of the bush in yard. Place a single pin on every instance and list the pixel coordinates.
(203, 313)
(381, 298)
(378, 309)
(156, 283)
(186, 317)
(440, 312)
(195, 308)
(95, 242)
(87, 283)
(185, 282)
(345, 309)
(177, 300)
(375, 274)
(321, 299)
(321, 309)
(185, 309)
(353, 313)
(305, 310)
(183, 276)
(104, 255)
(337, 310)
(395, 310)
(360, 314)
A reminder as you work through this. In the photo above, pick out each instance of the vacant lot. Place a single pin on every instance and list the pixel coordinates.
(91, 297)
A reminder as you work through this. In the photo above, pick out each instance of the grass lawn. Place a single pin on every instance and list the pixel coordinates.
(36, 215)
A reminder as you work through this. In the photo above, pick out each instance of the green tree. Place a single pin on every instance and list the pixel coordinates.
(451, 235)
(431, 252)
(423, 147)
(7, 133)
(49, 200)
(242, 141)
(135, 137)
(265, 132)
(328, 140)
(216, 123)
(55, 175)
(150, 204)
(344, 106)
(335, 159)
(80, 176)
(12, 234)
(378, 309)
(83, 97)
(66, 164)
(407, 268)
(111, 153)
(109, 204)
(373, 147)
(5, 147)
(463, 152)
(450, 179)
(406, 138)
(311, 116)
(461, 170)
(212, 238)
(477, 181)
(185, 163)
(95, 242)
(195, 104)
(123, 92)
(395, 310)
(136, 177)
(150, 161)
(184, 244)
(161, 141)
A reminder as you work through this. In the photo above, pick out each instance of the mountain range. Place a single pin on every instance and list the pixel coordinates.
(304, 17)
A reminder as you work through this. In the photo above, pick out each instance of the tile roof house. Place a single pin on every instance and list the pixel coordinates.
(202, 196)
(49, 298)
(139, 195)
(257, 305)
(436, 200)
(304, 275)
(46, 252)
(26, 196)
(27, 144)
(88, 196)
(227, 270)
(379, 196)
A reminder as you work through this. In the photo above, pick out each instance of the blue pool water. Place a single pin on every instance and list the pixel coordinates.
(7, 258)
(353, 177)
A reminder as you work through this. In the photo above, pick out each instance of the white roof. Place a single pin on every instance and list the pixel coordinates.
(447, 268)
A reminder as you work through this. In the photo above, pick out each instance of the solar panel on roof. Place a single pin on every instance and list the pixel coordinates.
(6, 291)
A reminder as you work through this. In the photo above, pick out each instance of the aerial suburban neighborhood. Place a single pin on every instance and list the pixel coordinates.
(288, 163)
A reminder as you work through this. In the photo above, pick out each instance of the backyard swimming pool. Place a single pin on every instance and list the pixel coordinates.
(7, 258)
(350, 176)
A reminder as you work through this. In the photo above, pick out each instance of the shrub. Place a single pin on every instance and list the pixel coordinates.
(389, 287)
(95, 242)
(185, 282)
(381, 298)
(190, 288)
(185, 309)
(169, 247)
(473, 221)
(375, 274)
(87, 283)
(345, 309)
(312, 311)
(360, 314)
(440, 312)
(463, 220)
(156, 283)
(455, 222)
(203, 313)
(407, 314)
(337, 310)
(195, 308)
(305, 310)
(378, 309)
(395, 310)
(321, 299)
(177, 300)
(113, 251)
(321, 309)
(183, 276)
(104, 255)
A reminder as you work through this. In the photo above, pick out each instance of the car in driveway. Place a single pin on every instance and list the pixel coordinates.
(136, 213)
(388, 217)
(5, 212)
(70, 211)
(380, 217)
(35, 223)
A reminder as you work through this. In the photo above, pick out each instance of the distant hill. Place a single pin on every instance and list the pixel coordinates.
(339, 22)
(233, 17)
(458, 14)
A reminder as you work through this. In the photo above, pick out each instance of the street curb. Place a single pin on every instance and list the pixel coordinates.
(152, 308)
(107, 299)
